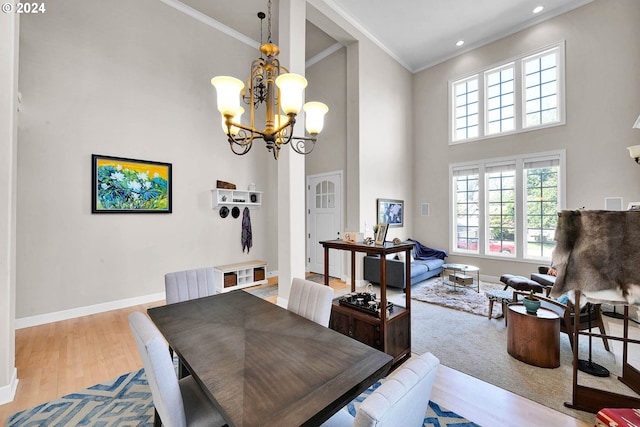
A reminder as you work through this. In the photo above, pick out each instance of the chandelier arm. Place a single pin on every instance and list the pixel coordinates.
(301, 145)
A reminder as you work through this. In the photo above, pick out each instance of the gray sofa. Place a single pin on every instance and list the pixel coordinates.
(421, 269)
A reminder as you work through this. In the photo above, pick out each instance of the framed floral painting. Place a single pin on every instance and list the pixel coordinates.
(121, 185)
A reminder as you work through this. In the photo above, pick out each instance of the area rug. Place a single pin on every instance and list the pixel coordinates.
(126, 401)
(458, 297)
(477, 346)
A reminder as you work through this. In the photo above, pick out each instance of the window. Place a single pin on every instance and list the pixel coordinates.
(507, 207)
(518, 95)
(466, 108)
(500, 100)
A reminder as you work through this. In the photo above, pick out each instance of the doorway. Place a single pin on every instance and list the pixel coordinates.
(324, 220)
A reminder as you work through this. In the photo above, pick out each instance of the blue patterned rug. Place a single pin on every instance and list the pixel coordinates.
(126, 401)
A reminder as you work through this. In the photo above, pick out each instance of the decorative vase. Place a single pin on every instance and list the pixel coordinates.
(531, 305)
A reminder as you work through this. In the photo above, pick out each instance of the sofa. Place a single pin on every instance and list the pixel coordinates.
(425, 263)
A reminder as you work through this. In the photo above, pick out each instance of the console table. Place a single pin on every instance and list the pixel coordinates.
(389, 333)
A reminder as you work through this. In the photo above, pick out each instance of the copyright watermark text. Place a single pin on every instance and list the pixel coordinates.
(23, 8)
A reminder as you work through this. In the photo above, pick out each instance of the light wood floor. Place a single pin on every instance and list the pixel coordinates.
(62, 357)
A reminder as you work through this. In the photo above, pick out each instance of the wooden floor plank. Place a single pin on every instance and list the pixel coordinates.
(62, 357)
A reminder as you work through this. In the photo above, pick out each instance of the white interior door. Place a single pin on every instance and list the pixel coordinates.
(324, 221)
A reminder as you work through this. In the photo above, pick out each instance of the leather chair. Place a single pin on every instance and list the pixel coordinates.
(568, 317)
(189, 284)
(311, 300)
(177, 403)
(402, 400)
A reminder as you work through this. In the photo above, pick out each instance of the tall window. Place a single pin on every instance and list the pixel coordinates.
(501, 208)
(467, 209)
(507, 207)
(542, 177)
(500, 100)
(518, 95)
(541, 88)
(466, 108)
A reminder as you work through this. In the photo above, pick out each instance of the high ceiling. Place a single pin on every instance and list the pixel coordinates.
(417, 33)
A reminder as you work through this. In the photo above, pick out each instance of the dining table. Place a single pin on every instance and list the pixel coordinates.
(263, 365)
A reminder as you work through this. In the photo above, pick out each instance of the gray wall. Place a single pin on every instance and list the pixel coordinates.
(602, 102)
(127, 79)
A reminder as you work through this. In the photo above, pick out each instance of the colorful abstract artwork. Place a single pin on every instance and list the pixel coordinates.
(121, 185)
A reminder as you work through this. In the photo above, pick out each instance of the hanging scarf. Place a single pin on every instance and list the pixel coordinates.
(247, 238)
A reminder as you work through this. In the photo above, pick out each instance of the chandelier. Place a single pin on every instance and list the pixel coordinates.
(274, 87)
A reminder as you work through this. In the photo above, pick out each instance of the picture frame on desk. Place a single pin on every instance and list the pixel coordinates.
(382, 233)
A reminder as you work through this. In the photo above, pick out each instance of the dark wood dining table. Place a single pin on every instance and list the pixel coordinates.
(262, 365)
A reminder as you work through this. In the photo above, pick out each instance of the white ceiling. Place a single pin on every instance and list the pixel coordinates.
(417, 33)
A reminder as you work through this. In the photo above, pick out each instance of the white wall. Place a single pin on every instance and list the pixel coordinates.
(9, 27)
(602, 102)
(127, 79)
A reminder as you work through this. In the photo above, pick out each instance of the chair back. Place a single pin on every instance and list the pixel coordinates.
(158, 367)
(189, 284)
(402, 400)
(311, 300)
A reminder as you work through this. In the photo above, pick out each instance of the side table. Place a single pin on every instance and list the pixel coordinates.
(502, 297)
(534, 338)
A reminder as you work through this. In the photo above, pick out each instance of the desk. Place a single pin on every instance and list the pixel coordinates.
(391, 334)
(263, 365)
(534, 338)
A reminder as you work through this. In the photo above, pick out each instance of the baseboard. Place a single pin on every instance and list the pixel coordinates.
(8, 392)
(42, 319)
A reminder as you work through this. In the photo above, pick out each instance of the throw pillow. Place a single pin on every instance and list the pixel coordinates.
(402, 256)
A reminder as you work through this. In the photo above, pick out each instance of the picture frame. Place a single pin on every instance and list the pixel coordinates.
(381, 235)
(123, 185)
(390, 211)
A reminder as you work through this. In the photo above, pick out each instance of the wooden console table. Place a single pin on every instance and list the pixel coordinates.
(388, 333)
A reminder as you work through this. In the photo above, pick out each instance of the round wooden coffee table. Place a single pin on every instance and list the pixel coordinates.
(534, 338)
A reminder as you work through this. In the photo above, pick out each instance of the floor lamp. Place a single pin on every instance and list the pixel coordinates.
(587, 366)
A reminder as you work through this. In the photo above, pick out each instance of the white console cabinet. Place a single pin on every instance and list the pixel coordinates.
(224, 197)
(241, 275)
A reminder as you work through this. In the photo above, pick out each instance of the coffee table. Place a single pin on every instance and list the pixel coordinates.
(459, 272)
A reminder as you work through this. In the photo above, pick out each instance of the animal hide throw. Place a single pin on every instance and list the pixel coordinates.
(598, 253)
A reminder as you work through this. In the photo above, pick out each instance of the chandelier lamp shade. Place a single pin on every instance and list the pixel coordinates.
(273, 89)
(634, 150)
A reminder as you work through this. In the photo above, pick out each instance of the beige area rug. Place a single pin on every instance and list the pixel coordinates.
(477, 346)
(459, 297)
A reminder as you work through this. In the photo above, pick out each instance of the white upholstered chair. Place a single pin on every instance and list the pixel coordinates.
(311, 300)
(178, 403)
(189, 284)
(186, 285)
(402, 400)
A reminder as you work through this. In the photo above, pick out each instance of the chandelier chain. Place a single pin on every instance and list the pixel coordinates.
(269, 21)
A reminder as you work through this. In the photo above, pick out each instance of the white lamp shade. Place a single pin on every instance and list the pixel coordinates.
(228, 90)
(314, 116)
(236, 119)
(291, 87)
(634, 151)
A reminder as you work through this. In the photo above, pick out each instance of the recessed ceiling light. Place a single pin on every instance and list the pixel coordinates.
(538, 9)
(459, 43)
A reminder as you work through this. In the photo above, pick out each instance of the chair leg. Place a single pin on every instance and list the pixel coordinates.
(604, 338)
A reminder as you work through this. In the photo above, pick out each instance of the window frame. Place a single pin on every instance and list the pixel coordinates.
(483, 168)
(519, 101)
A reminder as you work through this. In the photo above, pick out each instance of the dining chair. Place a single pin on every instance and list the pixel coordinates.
(402, 400)
(178, 403)
(189, 284)
(311, 300)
